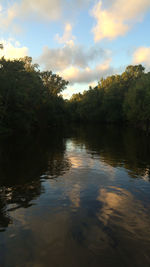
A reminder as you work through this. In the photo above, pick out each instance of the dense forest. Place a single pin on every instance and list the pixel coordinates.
(31, 99)
(121, 98)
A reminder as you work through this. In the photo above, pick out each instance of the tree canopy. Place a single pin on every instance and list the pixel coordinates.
(116, 99)
(30, 98)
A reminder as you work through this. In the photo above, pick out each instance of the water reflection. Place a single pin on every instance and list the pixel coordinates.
(118, 147)
(119, 203)
(69, 199)
(23, 162)
(16, 197)
(74, 195)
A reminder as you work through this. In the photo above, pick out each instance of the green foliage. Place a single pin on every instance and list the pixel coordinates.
(53, 83)
(30, 98)
(26, 100)
(137, 101)
(116, 99)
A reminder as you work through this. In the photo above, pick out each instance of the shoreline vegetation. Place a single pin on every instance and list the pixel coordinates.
(31, 99)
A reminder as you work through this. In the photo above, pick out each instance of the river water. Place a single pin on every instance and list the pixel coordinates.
(75, 197)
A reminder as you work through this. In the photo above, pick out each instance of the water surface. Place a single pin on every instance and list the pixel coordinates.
(79, 197)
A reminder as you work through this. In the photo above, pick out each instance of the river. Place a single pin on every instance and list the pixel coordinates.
(74, 198)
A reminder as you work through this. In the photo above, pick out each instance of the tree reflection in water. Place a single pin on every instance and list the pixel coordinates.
(23, 163)
(118, 147)
(73, 198)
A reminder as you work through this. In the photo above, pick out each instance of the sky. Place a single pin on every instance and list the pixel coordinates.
(81, 40)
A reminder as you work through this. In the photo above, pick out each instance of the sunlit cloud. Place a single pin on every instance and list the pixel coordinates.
(7, 16)
(142, 56)
(76, 63)
(71, 55)
(67, 37)
(117, 19)
(12, 49)
(44, 10)
(87, 74)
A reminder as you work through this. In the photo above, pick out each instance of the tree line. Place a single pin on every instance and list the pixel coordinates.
(31, 99)
(121, 98)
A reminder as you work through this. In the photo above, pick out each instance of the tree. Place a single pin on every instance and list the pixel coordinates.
(28, 97)
(53, 82)
(137, 101)
(28, 65)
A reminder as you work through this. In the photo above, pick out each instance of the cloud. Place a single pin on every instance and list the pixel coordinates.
(117, 19)
(71, 55)
(67, 37)
(45, 10)
(76, 63)
(142, 56)
(7, 16)
(12, 49)
(88, 74)
(49, 9)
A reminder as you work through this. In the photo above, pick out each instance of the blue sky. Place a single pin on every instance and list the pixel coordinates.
(81, 40)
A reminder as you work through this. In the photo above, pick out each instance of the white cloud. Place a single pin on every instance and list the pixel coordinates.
(7, 16)
(71, 55)
(46, 10)
(142, 56)
(43, 9)
(76, 63)
(12, 50)
(117, 19)
(67, 37)
(87, 75)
